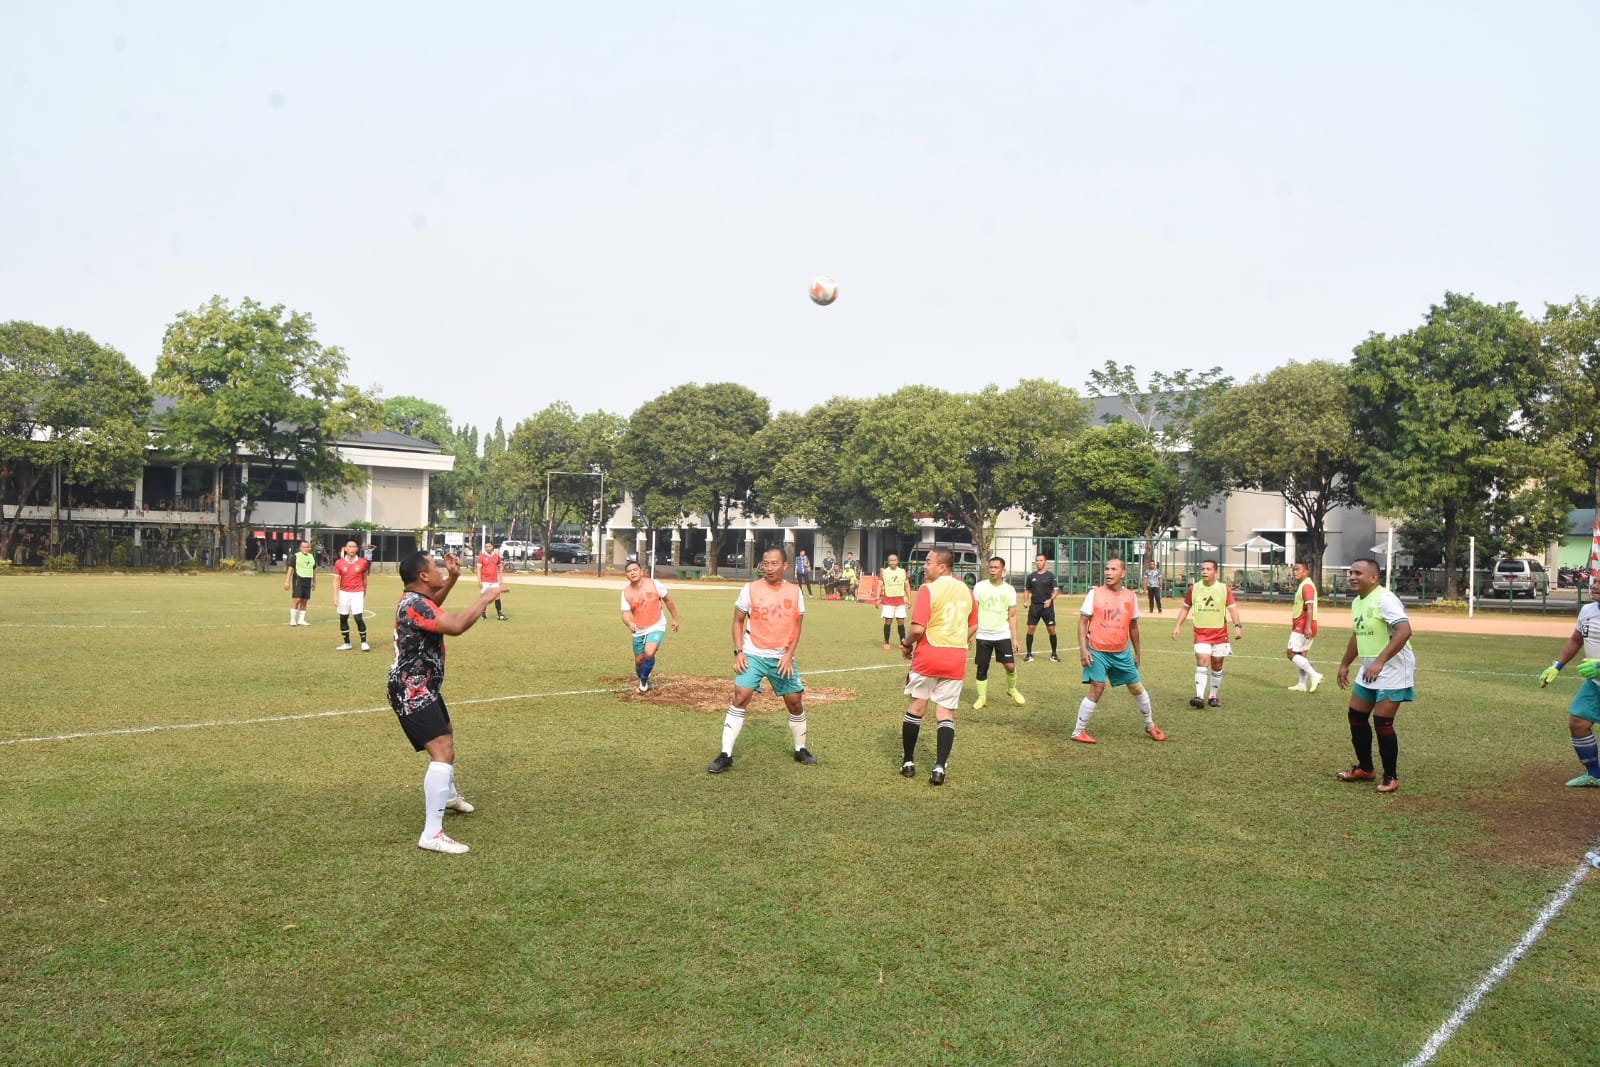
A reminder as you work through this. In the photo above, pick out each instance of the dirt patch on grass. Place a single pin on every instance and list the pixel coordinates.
(704, 693)
(1535, 819)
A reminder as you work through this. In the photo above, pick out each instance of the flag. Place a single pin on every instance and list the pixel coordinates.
(1594, 551)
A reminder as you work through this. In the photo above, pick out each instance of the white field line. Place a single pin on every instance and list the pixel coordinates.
(216, 723)
(1499, 970)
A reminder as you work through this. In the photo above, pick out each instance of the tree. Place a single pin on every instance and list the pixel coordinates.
(1112, 483)
(1569, 415)
(69, 407)
(415, 417)
(582, 448)
(1441, 419)
(690, 451)
(1165, 412)
(1287, 432)
(967, 457)
(807, 468)
(252, 383)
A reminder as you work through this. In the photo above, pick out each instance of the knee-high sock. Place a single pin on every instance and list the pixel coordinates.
(438, 784)
(1011, 681)
(646, 667)
(498, 610)
(909, 728)
(797, 730)
(1216, 682)
(1361, 737)
(344, 627)
(1388, 744)
(361, 626)
(886, 631)
(1142, 702)
(901, 627)
(983, 689)
(732, 723)
(1200, 675)
(947, 738)
(1085, 713)
(1302, 665)
(1588, 751)
(1052, 644)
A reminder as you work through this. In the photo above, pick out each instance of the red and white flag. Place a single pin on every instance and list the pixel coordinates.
(1594, 551)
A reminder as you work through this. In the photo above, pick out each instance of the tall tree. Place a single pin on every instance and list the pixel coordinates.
(1165, 412)
(69, 407)
(1569, 415)
(1441, 419)
(415, 417)
(559, 458)
(807, 468)
(967, 457)
(1287, 432)
(1112, 484)
(253, 383)
(690, 451)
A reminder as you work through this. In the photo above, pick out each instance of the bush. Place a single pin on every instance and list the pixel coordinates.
(64, 562)
(1448, 605)
(122, 555)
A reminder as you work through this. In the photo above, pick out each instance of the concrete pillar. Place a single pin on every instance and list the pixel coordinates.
(676, 557)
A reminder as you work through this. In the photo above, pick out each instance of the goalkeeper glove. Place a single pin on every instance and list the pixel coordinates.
(1590, 669)
(1548, 675)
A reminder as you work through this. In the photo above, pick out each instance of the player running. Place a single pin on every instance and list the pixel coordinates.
(997, 632)
(1584, 711)
(1303, 630)
(1381, 636)
(1040, 589)
(642, 601)
(892, 599)
(1212, 604)
(350, 593)
(766, 628)
(1108, 648)
(489, 578)
(416, 684)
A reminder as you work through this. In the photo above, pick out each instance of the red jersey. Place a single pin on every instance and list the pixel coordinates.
(351, 574)
(489, 568)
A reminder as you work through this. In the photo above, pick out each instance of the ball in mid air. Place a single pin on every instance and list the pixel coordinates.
(824, 290)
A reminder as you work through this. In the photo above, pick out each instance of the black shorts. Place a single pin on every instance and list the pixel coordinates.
(430, 721)
(302, 588)
(1001, 650)
(1036, 612)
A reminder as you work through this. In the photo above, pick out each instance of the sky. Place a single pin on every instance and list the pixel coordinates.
(498, 206)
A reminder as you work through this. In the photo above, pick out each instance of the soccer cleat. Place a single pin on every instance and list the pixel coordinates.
(1583, 780)
(1213, 702)
(1299, 687)
(937, 775)
(459, 803)
(365, 647)
(1356, 774)
(1017, 698)
(1054, 658)
(1155, 733)
(720, 764)
(980, 703)
(1316, 680)
(886, 646)
(1083, 738)
(441, 842)
(1196, 702)
(644, 686)
(302, 622)
(343, 648)
(485, 615)
(501, 618)
(1028, 658)
(1389, 785)
(804, 756)
(908, 769)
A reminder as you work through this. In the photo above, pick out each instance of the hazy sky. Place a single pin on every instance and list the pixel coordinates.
(497, 206)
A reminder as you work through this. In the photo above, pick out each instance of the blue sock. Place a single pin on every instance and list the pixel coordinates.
(645, 669)
(1588, 750)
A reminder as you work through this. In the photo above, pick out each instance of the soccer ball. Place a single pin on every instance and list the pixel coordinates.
(824, 290)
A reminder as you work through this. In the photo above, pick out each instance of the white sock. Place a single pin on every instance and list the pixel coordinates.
(1216, 682)
(302, 616)
(1304, 666)
(437, 786)
(1142, 702)
(1085, 713)
(1200, 681)
(292, 614)
(732, 723)
(797, 730)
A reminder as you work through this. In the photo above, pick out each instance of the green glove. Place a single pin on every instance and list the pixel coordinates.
(1548, 675)
(1590, 669)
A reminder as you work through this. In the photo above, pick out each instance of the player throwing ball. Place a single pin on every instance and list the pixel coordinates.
(1381, 636)
(350, 593)
(766, 628)
(1108, 648)
(416, 683)
(1212, 604)
(642, 601)
(1584, 711)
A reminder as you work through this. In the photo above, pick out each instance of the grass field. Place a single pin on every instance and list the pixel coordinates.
(249, 891)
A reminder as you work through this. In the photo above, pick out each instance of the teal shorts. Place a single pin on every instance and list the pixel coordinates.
(758, 667)
(1378, 696)
(654, 637)
(1114, 668)
(1586, 705)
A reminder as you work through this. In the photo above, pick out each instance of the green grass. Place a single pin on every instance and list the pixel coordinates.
(250, 892)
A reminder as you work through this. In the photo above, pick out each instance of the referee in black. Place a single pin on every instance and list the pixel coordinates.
(1040, 588)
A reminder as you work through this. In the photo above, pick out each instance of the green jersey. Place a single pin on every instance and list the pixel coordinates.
(995, 605)
(305, 564)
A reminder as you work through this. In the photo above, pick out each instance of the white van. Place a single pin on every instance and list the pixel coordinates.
(964, 564)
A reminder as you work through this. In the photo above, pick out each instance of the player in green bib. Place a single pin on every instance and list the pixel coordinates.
(892, 599)
(997, 631)
(300, 578)
(1381, 636)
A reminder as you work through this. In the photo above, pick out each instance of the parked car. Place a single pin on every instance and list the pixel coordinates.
(520, 550)
(964, 565)
(1519, 577)
(568, 553)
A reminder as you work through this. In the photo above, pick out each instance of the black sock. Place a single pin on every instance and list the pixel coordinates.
(908, 737)
(1388, 745)
(947, 737)
(497, 609)
(1030, 642)
(1052, 644)
(1361, 737)
(902, 628)
(886, 633)
(361, 626)
(344, 627)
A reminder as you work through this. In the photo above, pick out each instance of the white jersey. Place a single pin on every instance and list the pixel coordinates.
(1401, 671)
(1589, 627)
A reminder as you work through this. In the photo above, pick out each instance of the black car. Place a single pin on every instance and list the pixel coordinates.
(568, 553)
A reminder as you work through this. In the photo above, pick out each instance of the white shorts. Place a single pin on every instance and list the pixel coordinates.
(894, 611)
(1299, 643)
(484, 587)
(352, 603)
(945, 692)
(1215, 651)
